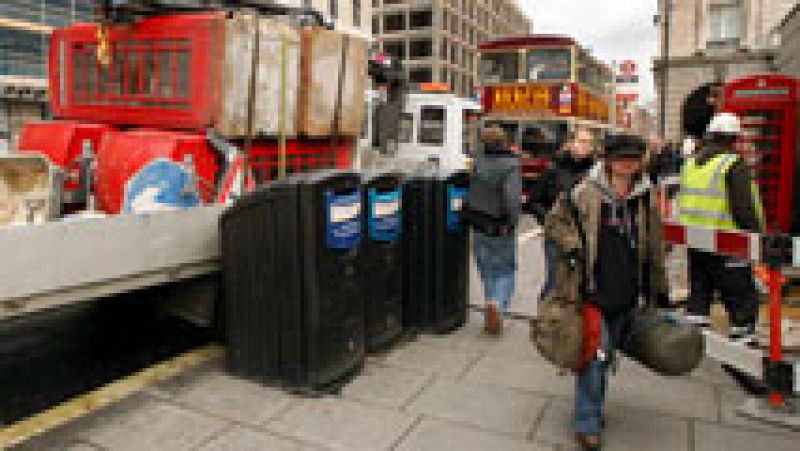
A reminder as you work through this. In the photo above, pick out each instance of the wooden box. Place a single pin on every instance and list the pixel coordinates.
(323, 52)
(273, 34)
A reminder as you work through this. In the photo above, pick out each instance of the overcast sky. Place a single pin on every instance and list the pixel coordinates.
(611, 29)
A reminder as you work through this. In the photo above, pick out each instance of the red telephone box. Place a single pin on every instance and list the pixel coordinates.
(767, 105)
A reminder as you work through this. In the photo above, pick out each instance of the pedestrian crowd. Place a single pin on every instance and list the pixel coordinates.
(604, 253)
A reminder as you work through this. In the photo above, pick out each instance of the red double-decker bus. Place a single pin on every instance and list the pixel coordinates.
(539, 88)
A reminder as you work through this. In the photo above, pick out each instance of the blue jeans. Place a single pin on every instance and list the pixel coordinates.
(551, 264)
(592, 383)
(496, 257)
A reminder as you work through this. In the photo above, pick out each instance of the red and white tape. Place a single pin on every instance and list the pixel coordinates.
(738, 244)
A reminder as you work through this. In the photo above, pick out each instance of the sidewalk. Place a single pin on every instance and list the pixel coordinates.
(464, 391)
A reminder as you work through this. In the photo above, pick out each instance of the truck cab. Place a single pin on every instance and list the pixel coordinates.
(433, 130)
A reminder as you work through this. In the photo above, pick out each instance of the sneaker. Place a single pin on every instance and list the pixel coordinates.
(588, 442)
(698, 320)
(493, 321)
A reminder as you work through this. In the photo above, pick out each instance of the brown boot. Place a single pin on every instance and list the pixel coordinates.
(493, 320)
(588, 442)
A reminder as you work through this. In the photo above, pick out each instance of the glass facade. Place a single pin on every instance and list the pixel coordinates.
(23, 42)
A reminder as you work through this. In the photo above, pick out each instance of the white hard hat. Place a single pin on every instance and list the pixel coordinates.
(726, 123)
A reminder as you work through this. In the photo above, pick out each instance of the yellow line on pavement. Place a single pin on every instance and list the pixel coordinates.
(104, 396)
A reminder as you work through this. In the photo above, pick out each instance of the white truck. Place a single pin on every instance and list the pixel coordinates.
(434, 130)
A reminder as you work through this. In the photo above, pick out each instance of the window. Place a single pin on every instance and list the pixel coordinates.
(357, 13)
(423, 75)
(421, 19)
(420, 49)
(376, 25)
(333, 8)
(549, 64)
(376, 3)
(497, 67)
(444, 49)
(724, 24)
(432, 125)
(454, 53)
(395, 49)
(394, 22)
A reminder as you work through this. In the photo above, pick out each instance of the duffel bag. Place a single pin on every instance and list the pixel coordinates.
(565, 334)
(668, 348)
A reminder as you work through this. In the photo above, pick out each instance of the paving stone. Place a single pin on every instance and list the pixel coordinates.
(514, 342)
(62, 444)
(434, 435)
(493, 408)
(232, 398)
(172, 386)
(627, 429)
(243, 439)
(525, 374)
(637, 387)
(732, 400)
(144, 423)
(342, 424)
(714, 437)
(386, 386)
(432, 360)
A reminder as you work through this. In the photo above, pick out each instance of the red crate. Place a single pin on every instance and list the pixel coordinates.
(164, 72)
(122, 154)
(61, 142)
(302, 155)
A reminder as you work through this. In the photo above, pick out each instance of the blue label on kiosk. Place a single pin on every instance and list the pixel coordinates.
(343, 219)
(455, 203)
(385, 215)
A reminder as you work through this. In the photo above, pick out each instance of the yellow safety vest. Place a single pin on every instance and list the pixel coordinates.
(703, 199)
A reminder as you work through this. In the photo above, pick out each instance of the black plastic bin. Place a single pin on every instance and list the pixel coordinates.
(382, 259)
(436, 277)
(295, 311)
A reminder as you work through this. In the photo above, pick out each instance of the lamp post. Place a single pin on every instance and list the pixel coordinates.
(664, 18)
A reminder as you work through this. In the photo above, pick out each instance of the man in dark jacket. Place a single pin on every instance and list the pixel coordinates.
(730, 205)
(494, 207)
(569, 168)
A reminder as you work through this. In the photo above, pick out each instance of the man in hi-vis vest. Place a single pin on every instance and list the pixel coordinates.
(717, 191)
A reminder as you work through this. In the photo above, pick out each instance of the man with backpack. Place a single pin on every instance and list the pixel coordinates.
(494, 207)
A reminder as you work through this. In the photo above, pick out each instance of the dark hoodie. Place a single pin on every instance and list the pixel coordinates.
(495, 188)
(564, 173)
(738, 180)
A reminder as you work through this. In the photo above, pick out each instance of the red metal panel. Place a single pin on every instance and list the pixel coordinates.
(61, 142)
(122, 154)
(767, 104)
(164, 72)
(516, 42)
(302, 155)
